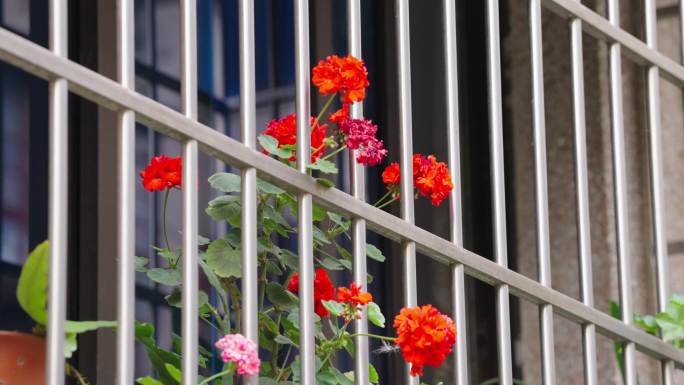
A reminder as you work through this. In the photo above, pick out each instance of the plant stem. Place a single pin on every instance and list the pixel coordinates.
(325, 108)
(334, 153)
(276, 346)
(373, 336)
(386, 203)
(215, 376)
(262, 285)
(166, 202)
(387, 194)
(282, 370)
(73, 372)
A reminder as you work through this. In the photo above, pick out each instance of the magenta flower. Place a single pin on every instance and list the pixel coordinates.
(372, 153)
(360, 135)
(240, 350)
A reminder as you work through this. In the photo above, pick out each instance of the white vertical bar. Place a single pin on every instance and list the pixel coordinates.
(189, 322)
(541, 190)
(455, 203)
(126, 200)
(358, 190)
(656, 175)
(620, 180)
(58, 199)
(582, 196)
(250, 293)
(498, 193)
(406, 156)
(305, 231)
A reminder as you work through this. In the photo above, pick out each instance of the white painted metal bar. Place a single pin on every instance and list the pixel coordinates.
(498, 189)
(541, 190)
(681, 29)
(58, 199)
(358, 191)
(125, 349)
(656, 175)
(455, 202)
(620, 193)
(305, 205)
(406, 157)
(109, 94)
(189, 323)
(582, 197)
(248, 233)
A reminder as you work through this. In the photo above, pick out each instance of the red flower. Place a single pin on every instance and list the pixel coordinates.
(425, 336)
(392, 174)
(347, 75)
(284, 130)
(161, 173)
(353, 295)
(340, 115)
(323, 290)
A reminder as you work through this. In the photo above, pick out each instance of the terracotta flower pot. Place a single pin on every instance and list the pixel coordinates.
(22, 359)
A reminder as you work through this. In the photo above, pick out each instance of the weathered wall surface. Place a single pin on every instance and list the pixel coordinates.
(562, 205)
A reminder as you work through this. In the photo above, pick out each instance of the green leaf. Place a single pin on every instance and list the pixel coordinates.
(173, 371)
(281, 339)
(374, 253)
(334, 307)
(171, 256)
(319, 213)
(270, 144)
(338, 220)
(148, 381)
(289, 259)
(267, 381)
(325, 182)
(373, 376)
(329, 263)
(225, 182)
(646, 322)
(168, 277)
(202, 241)
(268, 188)
(326, 377)
(225, 208)
(86, 326)
(324, 166)
(375, 315)
(141, 264)
(280, 297)
(223, 259)
(33, 283)
(70, 344)
(144, 334)
(212, 278)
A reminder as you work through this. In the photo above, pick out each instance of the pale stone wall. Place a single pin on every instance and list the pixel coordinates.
(561, 184)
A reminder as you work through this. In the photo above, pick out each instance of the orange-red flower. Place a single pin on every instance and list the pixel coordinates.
(430, 177)
(353, 295)
(347, 75)
(425, 336)
(284, 130)
(392, 174)
(323, 290)
(340, 115)
(161, 173)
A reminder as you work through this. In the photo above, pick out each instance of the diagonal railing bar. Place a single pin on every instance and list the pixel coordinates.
(107, 93)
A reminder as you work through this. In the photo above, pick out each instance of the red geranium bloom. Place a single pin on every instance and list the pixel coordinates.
(340, 115)
(392, 174)
(353, 295)
(435, 182)
(284, 130)
(161, 173)
(347, 75)
(323, 290)
(425, 336)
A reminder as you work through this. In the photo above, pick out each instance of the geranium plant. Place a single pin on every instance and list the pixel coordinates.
(424, 335)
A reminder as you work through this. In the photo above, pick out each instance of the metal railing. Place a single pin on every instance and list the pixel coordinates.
(65, 75)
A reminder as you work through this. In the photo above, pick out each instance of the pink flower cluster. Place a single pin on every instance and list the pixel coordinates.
(360, 134)
(240, 350)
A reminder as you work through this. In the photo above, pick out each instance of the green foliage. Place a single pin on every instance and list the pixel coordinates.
(324, 166)
(223, 259)
(33, 283)
(375, 315)
(270, 144)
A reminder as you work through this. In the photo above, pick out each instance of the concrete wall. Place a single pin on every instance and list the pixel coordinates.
(561, 184)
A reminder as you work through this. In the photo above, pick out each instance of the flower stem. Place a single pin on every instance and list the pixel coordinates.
(73, 372)
(325, 108)
(334, 153)
(373, 336)
(386, 203)
(166, 202)
(215, 376)
(387, 194)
